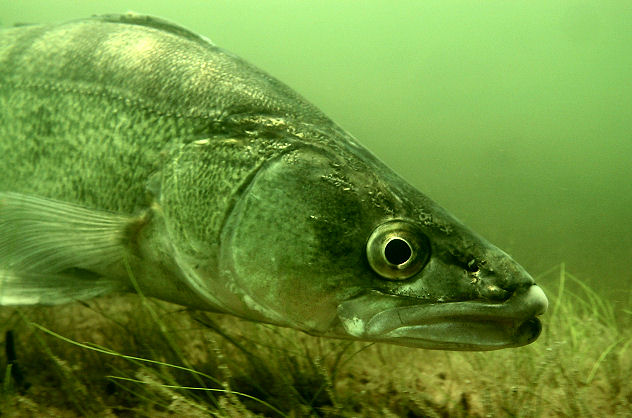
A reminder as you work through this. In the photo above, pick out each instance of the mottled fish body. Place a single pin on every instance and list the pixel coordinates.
(136, 155)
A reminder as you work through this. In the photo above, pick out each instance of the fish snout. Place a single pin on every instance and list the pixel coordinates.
(499, 281)
(526, 303)
(514, 288)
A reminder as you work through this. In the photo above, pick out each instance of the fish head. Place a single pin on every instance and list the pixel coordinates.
(329, 240)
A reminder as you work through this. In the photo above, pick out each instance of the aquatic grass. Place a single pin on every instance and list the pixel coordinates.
(147, 306)
(580, 366)
(295, 370)
(139, 360)
(68, 379)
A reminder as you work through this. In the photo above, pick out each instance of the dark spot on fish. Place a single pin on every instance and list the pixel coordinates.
(472, 266)
(465, 261)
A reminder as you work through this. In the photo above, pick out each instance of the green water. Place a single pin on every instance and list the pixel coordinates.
(514, 115)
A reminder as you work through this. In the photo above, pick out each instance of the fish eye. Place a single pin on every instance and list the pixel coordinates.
(397, 250)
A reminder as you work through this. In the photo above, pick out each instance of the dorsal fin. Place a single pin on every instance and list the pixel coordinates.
(132, 18)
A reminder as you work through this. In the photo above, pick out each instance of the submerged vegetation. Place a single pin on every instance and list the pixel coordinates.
(147, 358)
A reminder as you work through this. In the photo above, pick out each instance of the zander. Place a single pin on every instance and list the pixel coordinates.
(136, 155)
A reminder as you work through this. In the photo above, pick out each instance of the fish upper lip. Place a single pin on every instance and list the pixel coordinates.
(519, 308)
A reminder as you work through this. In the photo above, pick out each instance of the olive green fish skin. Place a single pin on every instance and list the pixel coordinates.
(242, 197)
(103, 104)
(93, 108)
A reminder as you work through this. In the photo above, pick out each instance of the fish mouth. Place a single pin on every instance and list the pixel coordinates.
(470, 325)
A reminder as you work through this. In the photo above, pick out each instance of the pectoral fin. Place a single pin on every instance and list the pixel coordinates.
(53, 252)
(29, 288)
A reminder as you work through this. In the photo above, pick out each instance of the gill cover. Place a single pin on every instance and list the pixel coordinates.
(295, 242)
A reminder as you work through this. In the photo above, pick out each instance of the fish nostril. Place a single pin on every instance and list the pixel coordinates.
(518, 286)
(472, 266)
(494, 293)
(497, 293)
(497, 287)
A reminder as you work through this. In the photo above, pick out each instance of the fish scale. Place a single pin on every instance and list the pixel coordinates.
(138, 156)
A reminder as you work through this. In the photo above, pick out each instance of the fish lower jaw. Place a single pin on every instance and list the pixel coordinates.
(468, 325)
(466, 335)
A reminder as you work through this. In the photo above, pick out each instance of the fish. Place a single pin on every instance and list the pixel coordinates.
(138, 156)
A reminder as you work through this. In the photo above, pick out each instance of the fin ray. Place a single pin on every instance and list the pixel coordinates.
(29, 288)
(53, 252)
(154, 22)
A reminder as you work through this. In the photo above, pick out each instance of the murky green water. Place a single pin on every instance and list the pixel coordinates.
(514, 115)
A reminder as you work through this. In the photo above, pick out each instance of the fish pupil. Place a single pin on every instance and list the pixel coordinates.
(397, 251)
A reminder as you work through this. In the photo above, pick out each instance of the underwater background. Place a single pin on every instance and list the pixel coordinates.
(516, 116)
